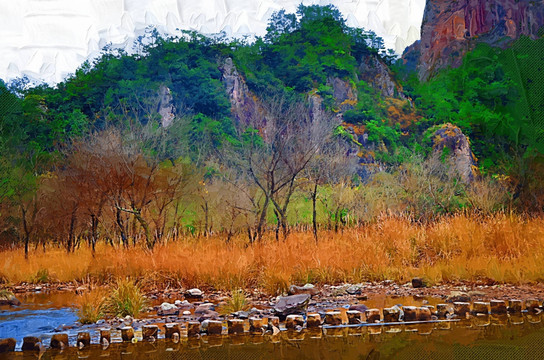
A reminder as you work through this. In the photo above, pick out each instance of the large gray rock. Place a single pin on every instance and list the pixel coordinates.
(167, 309)
(194, 294)
(306, 289)
(450, 137)
(295, 304)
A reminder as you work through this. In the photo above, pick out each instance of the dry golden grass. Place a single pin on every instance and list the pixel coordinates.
(502, 249)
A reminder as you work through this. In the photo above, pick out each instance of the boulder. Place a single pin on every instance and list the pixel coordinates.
(193, 328)
(354, 290)
(373, 315)
(256, 325)
(514, 306)
(313, 320)
(212, 327)
(235, 326)
(480, 307)
(392, 314)
(532, 305)
(418, 282)
(410, 313)
(194, 294)
(355, 317)
(7, 298)
(423, 314)
(458, 296)
(442, 310)
(83, 339)
(461, 308)
(292, 322)
(167, 309)
(127, 333)
(105, 337)
(150, 332)
(7, 345)
(171, 329)
(59, 341)
(204, 308)
(32, 343)
(306, 289)
(294, 304)
(498, 307)
(333, 318)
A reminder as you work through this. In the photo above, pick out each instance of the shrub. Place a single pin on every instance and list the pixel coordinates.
(126, 299)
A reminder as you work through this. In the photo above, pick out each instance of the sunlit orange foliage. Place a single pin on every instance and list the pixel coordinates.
(497, 249)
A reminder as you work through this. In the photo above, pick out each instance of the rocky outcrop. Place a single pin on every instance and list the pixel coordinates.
(451, 28)
(376, 73)
(246, 107)
(450, 137)
(166, 106)
(344, 93)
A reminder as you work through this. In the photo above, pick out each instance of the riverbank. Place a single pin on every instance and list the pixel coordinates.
(457, 250)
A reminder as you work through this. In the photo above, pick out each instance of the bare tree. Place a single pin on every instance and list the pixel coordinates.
(274, 157)
(335, 164)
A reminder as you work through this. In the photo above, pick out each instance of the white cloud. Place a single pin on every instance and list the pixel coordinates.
(48, 39)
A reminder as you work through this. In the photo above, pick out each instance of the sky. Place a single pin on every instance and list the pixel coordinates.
(47, 40)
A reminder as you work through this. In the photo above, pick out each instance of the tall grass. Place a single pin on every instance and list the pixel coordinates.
(125, 299)
(496, 249)
(91, 306)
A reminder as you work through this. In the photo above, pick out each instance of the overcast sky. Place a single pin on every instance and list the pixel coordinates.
(49, 39)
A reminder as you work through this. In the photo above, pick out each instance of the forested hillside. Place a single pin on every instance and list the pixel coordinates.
(315, 125)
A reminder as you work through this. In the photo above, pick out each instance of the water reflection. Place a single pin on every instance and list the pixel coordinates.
(498, 338)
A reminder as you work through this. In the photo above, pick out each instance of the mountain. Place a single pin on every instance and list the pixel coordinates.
(452, 28)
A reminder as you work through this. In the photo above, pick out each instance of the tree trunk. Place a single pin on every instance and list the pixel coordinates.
(262, 219)
(314, 211)
(120, 224)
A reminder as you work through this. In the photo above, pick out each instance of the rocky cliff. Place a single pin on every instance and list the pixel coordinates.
(451, 28)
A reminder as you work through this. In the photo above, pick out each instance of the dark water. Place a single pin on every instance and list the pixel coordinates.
(489, 337)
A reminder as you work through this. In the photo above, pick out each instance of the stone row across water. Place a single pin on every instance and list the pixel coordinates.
(294, 322)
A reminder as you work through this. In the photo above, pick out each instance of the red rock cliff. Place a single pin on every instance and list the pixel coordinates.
(450, 28)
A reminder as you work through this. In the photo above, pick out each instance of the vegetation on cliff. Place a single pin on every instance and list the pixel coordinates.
(318, 128)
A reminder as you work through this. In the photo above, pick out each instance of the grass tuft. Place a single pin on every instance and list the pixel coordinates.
(91, 306)
(5, 294)
(125, 299)
(41, 277)
(237, 302)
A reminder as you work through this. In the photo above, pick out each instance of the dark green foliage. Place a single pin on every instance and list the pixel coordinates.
(495, 97)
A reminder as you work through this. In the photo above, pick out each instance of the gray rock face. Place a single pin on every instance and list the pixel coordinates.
(451, 28)
(451, 137)
(375, 72)
(245, 105)
(294, 304)
(166, 106)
